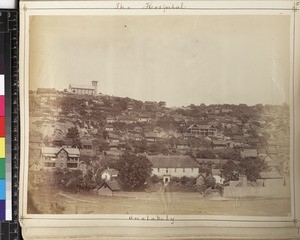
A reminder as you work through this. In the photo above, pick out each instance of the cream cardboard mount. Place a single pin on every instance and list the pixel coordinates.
(159, 119)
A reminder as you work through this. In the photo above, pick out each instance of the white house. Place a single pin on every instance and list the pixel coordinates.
(109, 174)
(84, 89)
(216, 173)
(173, 166)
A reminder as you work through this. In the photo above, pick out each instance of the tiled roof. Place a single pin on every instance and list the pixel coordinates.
(161, 161)
(112, 185)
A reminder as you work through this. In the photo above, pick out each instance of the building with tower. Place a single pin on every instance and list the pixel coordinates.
(84, 89)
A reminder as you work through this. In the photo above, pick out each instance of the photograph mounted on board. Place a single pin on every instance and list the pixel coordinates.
(167, 115)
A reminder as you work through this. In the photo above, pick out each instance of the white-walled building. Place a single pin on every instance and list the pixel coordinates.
(173, 166)
(84, 89)
(109, 174)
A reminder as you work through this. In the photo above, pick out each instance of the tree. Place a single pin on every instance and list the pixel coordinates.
(210, 181)
(230, 171)
(252, 168)
(73, 134)
(134, 170)
(205, 154)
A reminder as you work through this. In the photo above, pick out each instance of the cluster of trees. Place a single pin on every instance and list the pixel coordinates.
(247, 167)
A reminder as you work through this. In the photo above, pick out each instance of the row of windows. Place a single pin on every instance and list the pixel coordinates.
(175, 170)
(52, 165)
(61, 157)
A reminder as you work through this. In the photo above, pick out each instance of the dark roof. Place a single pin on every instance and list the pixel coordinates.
(214, 160)
(150, 135)
(45, 90)
(112, 185)
(161, 161)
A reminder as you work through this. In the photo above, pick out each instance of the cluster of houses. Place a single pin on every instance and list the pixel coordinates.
(217, 128)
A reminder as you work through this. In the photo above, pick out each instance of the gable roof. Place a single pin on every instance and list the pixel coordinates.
(202, 126)
(110, 171)
(52, 151)
(112, 185)
(161, 161)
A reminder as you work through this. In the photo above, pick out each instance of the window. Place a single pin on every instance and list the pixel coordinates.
(158, 170)
(175, 169)
(183, 169)
(72, 165)
(167, 170)
(49, 164)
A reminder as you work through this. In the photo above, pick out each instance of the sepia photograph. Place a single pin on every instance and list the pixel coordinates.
(160, 115)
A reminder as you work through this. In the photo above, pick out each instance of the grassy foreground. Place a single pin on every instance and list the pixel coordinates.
(174, 203)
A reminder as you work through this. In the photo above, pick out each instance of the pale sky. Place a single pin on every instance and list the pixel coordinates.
(178, 59)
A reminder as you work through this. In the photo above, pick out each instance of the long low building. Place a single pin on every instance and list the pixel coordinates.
(60, 157)
(173, 166)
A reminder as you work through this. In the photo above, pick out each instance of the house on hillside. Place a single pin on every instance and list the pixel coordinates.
(249, 153)
(226, 110)
(111, 120)
(87, 144)
(169, 166)
(60, 157)
(143, 119)
(203, 130)
(151, 136)
(220, 144)
(109, 174)
(108, 188)
(46, 91)
(109, 128)
(182, 145)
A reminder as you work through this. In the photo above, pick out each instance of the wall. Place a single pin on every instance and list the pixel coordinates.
(189, 172)
(256, 192)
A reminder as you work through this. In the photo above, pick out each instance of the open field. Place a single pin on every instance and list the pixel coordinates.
(177, 203)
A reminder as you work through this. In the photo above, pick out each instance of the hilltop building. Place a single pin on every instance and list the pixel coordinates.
(84, 89)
